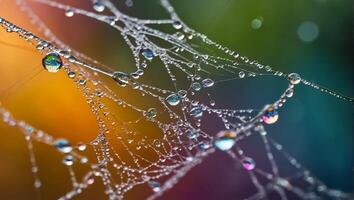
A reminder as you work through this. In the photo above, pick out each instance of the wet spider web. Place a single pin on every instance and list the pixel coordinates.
(125, 156)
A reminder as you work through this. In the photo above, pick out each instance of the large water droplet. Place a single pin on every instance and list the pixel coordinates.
(173, 99)
(270, 116)
(63, 145)
(225, 140)
(52, 62)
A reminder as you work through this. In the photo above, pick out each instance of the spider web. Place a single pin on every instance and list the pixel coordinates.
(125, 156)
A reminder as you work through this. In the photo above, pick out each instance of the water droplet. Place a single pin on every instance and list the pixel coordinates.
(207, 82)
(151, 113)
(177, 24)
(196, 112)
(173, 99)
(81, 146)
(182, 93)
(71, 74)
(196, 86)
(241, 74)
(121, 78)
(148, 54)
(63, 145)
(179, 35)
(204, 146)
(294, 78)
(68, 160)
(52, 62)
(98, 6)
(270, 116)
(155, 186)
(192, 134)
(69, 13)
(225, 140)
(248, 163)
(289, 93)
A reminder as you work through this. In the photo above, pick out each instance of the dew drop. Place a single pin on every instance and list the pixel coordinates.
(294, 78)
(98, 6)
(173, 99)
(196, 86)
(192, 134)
(207, 82)
(248, 163)
(182, 93)
(225, 140)
(81, 146)
(196, 112)
(151, 113)
(69, 13)
(63, 145)
(121, 78)
(148, 54)
(241, 74)
(177, 24)
(270, 116)
(155, 186)
(52, 62)
(68, 160)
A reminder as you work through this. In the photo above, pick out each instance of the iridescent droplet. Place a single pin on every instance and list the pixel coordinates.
(294, 78)
(63, 145)
(270, 116)
(248, 163)
(155, 186)
(225, 140)
(173, 99)
(207, 82)
(52, 62)
(148, 54)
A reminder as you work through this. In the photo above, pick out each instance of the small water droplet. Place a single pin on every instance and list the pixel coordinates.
(69, 13)
(151, 113)
(68, 160)
(52, 62)
(207, 82)
(98, 6)
(177, 24)
(121, 78)
(63, 145)
(155, 186)
(196, 112)
(148, 54)
(294, 78)
(241, 74)
(196, 86)
(192, 134)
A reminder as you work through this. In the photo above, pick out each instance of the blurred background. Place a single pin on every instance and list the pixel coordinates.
(310, 37)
